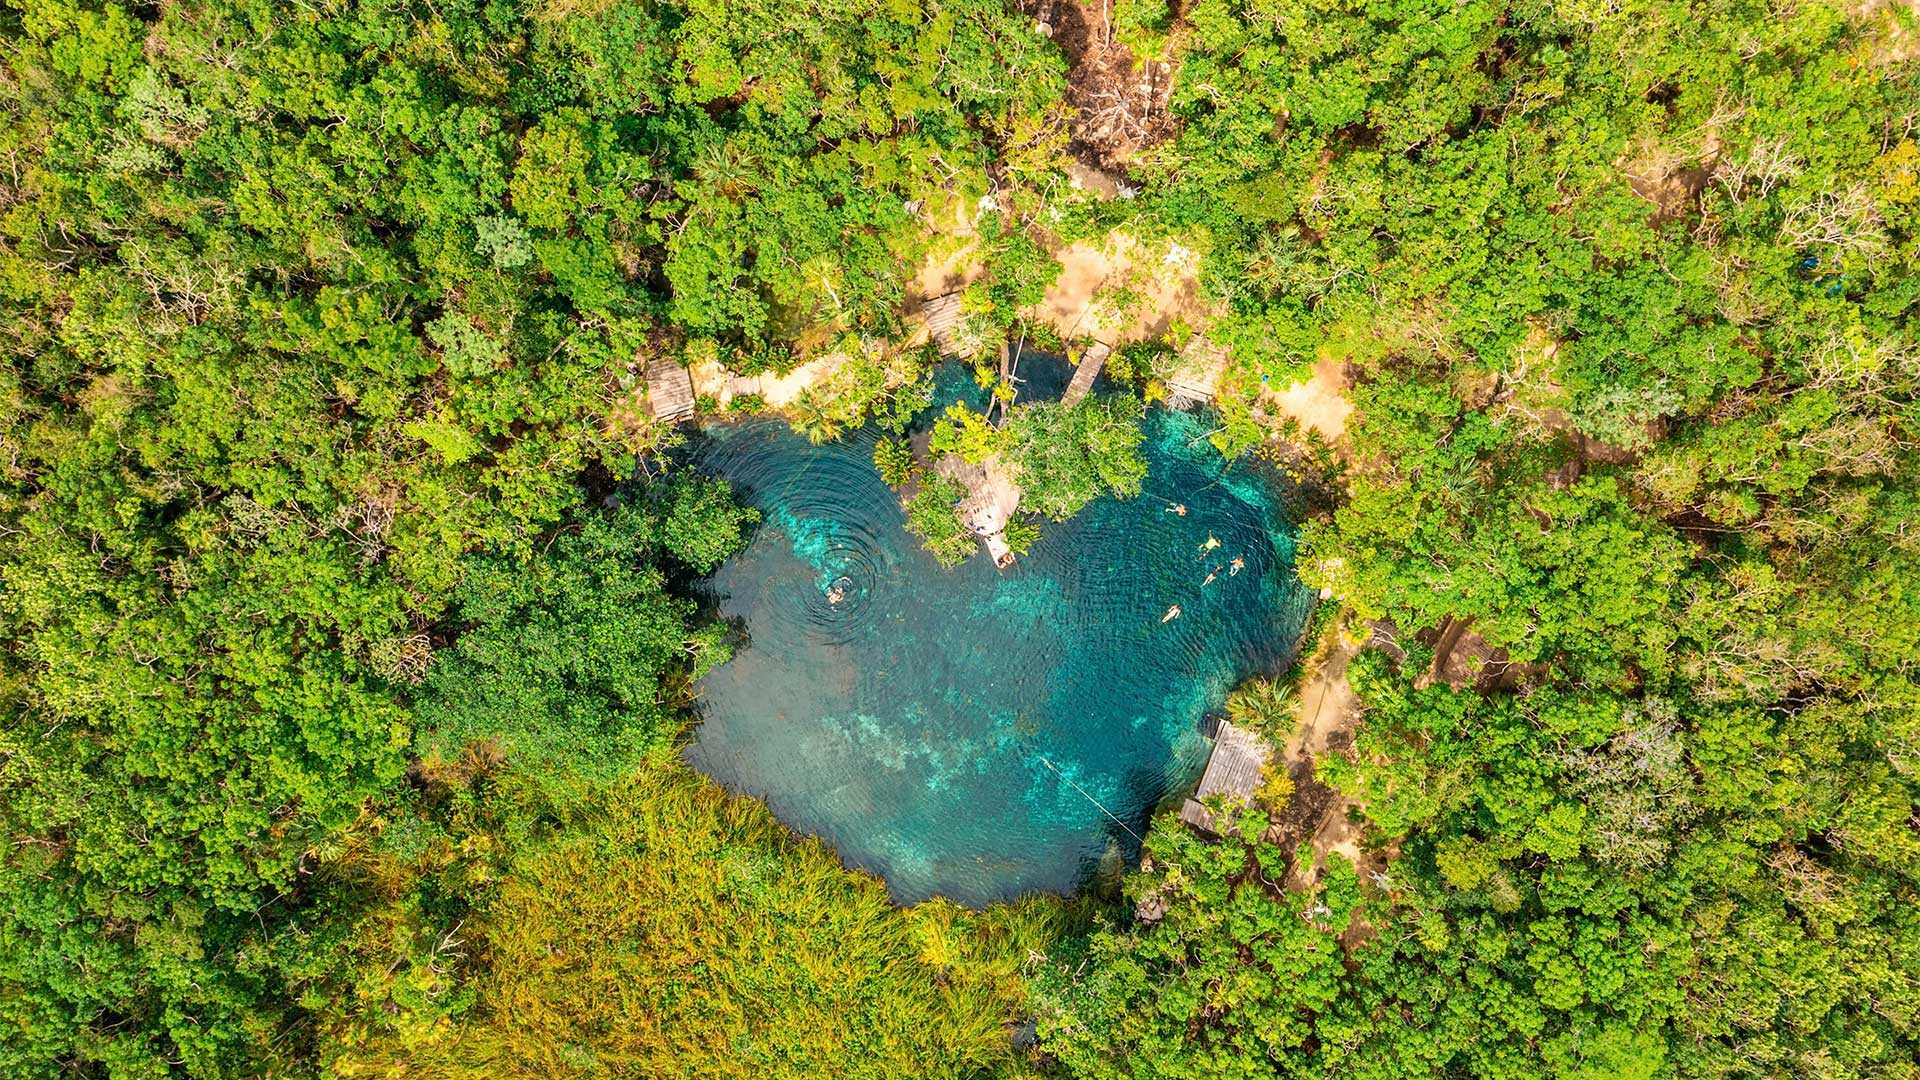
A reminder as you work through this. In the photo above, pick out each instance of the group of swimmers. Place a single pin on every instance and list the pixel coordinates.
(1233, 567)
(842, 586)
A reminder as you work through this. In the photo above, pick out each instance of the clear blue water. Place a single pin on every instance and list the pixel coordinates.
(958, 731)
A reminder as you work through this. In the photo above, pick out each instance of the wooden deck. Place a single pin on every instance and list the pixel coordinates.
(1086, 371)
(1196, 379)
(946, 323)
(669, 391)
(1233, 770)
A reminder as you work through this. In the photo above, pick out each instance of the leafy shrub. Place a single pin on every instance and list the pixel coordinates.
(1065, 457)
(893, 459)
(933, 517)
(568, 660)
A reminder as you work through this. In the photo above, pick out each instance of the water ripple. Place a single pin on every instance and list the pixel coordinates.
(925, 719)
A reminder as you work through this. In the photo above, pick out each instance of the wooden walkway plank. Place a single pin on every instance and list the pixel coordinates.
(1196, 379)
(1086, 371)
(946, 323)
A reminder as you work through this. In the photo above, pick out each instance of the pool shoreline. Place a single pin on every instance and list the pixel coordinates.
(891, 750)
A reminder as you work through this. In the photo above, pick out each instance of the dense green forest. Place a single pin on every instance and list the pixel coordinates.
(346, 632)
(1631, 298)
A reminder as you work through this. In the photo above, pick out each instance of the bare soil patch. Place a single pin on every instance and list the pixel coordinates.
(1329, 712)
(1318, 404)
(953, 251)
(710, 378)
(1120, 103)
(1671, 174)
(1892, 30)
(1122, 290)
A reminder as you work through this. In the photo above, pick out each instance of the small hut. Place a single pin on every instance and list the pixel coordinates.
(1233, 769)
(669, 391)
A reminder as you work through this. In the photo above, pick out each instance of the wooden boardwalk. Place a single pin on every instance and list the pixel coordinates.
(669, 391)
(1086, 371)
(1233, 770)
(1196, 379)
(946, 323)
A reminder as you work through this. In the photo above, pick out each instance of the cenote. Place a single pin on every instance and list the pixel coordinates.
(979, 733)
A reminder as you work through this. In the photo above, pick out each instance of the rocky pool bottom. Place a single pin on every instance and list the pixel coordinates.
(979, 733)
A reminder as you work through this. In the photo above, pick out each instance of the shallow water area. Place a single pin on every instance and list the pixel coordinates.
(972, 732)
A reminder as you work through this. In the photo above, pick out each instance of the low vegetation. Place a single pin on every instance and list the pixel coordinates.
(325, 335)
(1065, 456)
(932, 515)
(660, 927)
(1629, 316)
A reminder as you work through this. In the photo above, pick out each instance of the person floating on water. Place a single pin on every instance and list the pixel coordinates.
(1177, 508)
(1211, 574)
(1212, 542)
(1172, 614)
(838, 591)
(1238, 564)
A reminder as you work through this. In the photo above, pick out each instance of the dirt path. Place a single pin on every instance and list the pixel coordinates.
(1328, 712)
(711, 379)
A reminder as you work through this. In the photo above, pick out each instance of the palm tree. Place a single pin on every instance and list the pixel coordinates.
(1264, 705)
(812, 418)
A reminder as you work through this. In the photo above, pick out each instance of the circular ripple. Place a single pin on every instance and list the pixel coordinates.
(834, 613)
(823, 511)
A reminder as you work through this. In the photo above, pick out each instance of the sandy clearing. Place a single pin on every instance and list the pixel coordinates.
(952, 261)
(1087, 299)
(711, 379)
(1328, 705)
(1328, 712)
(1319, 403)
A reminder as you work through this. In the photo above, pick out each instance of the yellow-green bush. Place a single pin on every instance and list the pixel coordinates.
(676, 930)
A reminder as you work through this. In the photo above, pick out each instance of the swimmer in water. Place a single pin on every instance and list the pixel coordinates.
(1238, 564)
(1214, 573)
(1212, 542)
(1177, 508)
(1172, 614)
(838, 591)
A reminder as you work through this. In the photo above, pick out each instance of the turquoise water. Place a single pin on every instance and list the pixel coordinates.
(959, 731)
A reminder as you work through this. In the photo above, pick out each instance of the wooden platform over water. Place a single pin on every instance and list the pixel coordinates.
(1086, 371)
(1233, 770)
